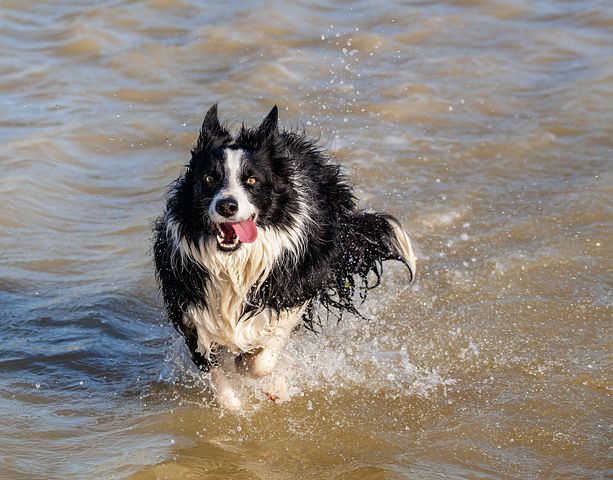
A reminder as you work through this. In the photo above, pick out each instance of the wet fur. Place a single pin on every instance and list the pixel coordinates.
(314, 246)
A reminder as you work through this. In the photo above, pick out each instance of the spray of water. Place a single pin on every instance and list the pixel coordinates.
(369, 352)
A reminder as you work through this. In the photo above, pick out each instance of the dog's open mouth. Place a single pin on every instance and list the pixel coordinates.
(230, 235)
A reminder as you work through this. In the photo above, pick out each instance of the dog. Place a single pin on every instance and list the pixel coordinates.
(261, 234)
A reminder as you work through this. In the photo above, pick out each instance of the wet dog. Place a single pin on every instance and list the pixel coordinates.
(261, 232)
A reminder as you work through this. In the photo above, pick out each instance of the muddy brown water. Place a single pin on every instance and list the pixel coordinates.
(485, 126)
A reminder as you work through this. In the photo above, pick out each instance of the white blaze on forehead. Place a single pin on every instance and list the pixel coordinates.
(232, 166)
(233, 187)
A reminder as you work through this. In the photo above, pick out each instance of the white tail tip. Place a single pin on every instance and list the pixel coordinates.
(404, 245)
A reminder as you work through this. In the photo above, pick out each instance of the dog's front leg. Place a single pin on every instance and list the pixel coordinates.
(263, 361)
(226, 396)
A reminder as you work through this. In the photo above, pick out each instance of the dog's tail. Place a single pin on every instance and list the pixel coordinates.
(370, 239)
(366, 240)
(402, 245)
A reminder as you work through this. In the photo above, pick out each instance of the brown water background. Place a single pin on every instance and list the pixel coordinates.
(485, 126)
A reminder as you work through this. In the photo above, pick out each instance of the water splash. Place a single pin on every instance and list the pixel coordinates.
(355, 353)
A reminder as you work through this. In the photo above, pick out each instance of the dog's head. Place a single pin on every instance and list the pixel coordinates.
(238, 185)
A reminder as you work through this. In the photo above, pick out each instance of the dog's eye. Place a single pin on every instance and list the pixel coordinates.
(251, 181)
(209, 179)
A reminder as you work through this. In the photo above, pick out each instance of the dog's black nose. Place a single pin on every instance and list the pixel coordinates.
(226, 206)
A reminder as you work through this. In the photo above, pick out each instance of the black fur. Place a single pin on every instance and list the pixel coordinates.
(344, 250)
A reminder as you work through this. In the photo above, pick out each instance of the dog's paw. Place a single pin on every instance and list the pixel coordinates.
(229, 400)
(271, 396)
(277, 391)
(225, 394)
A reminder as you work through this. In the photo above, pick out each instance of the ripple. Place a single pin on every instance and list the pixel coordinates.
(483, 126)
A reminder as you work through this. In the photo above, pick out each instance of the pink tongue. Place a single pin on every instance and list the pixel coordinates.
(246, 231)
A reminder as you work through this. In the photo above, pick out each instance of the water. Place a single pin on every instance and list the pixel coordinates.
(484, 126)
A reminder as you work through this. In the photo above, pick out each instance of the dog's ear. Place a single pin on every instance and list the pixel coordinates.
(211, 129)
(211, 120)
(269, 124)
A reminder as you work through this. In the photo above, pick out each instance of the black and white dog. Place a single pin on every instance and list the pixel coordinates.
(259, 230)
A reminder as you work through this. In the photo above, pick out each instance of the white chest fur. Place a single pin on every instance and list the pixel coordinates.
(232, 278)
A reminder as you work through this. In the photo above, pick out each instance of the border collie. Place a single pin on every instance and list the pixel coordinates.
(260, 230)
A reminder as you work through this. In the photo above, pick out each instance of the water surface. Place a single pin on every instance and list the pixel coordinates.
(485, 126)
